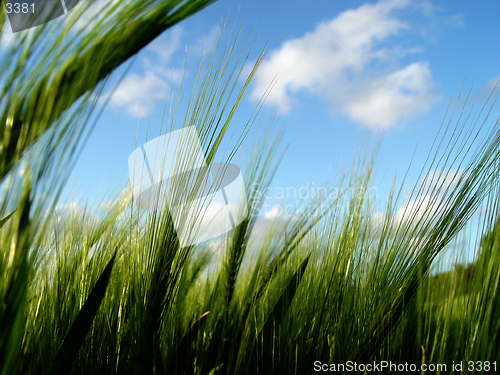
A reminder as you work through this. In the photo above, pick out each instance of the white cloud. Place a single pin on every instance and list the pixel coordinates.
(136, 92)
(425, 206)
(69, 209)
(383, 101)
(429, 206)
(493, 85)
(164, 47)
(274, 213)
(338, 60)
(439, 180)
(205, 42)
(491, 88)
(377, 221)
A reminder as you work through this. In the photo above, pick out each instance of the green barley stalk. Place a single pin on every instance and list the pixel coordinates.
(117, 294)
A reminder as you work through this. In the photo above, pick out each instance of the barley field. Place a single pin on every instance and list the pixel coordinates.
(317, 291)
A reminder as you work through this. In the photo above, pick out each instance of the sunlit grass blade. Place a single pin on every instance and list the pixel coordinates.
(70, 65)
(6, 218)
(14, 279)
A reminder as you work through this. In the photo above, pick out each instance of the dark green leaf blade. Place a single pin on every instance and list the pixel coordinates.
(6, 218)
(283, 304)
(81, 325)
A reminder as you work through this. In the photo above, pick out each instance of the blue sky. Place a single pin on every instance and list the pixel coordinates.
(347, 71)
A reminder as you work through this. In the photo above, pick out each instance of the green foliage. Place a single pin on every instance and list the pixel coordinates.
(79, 329)
(117, 294)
